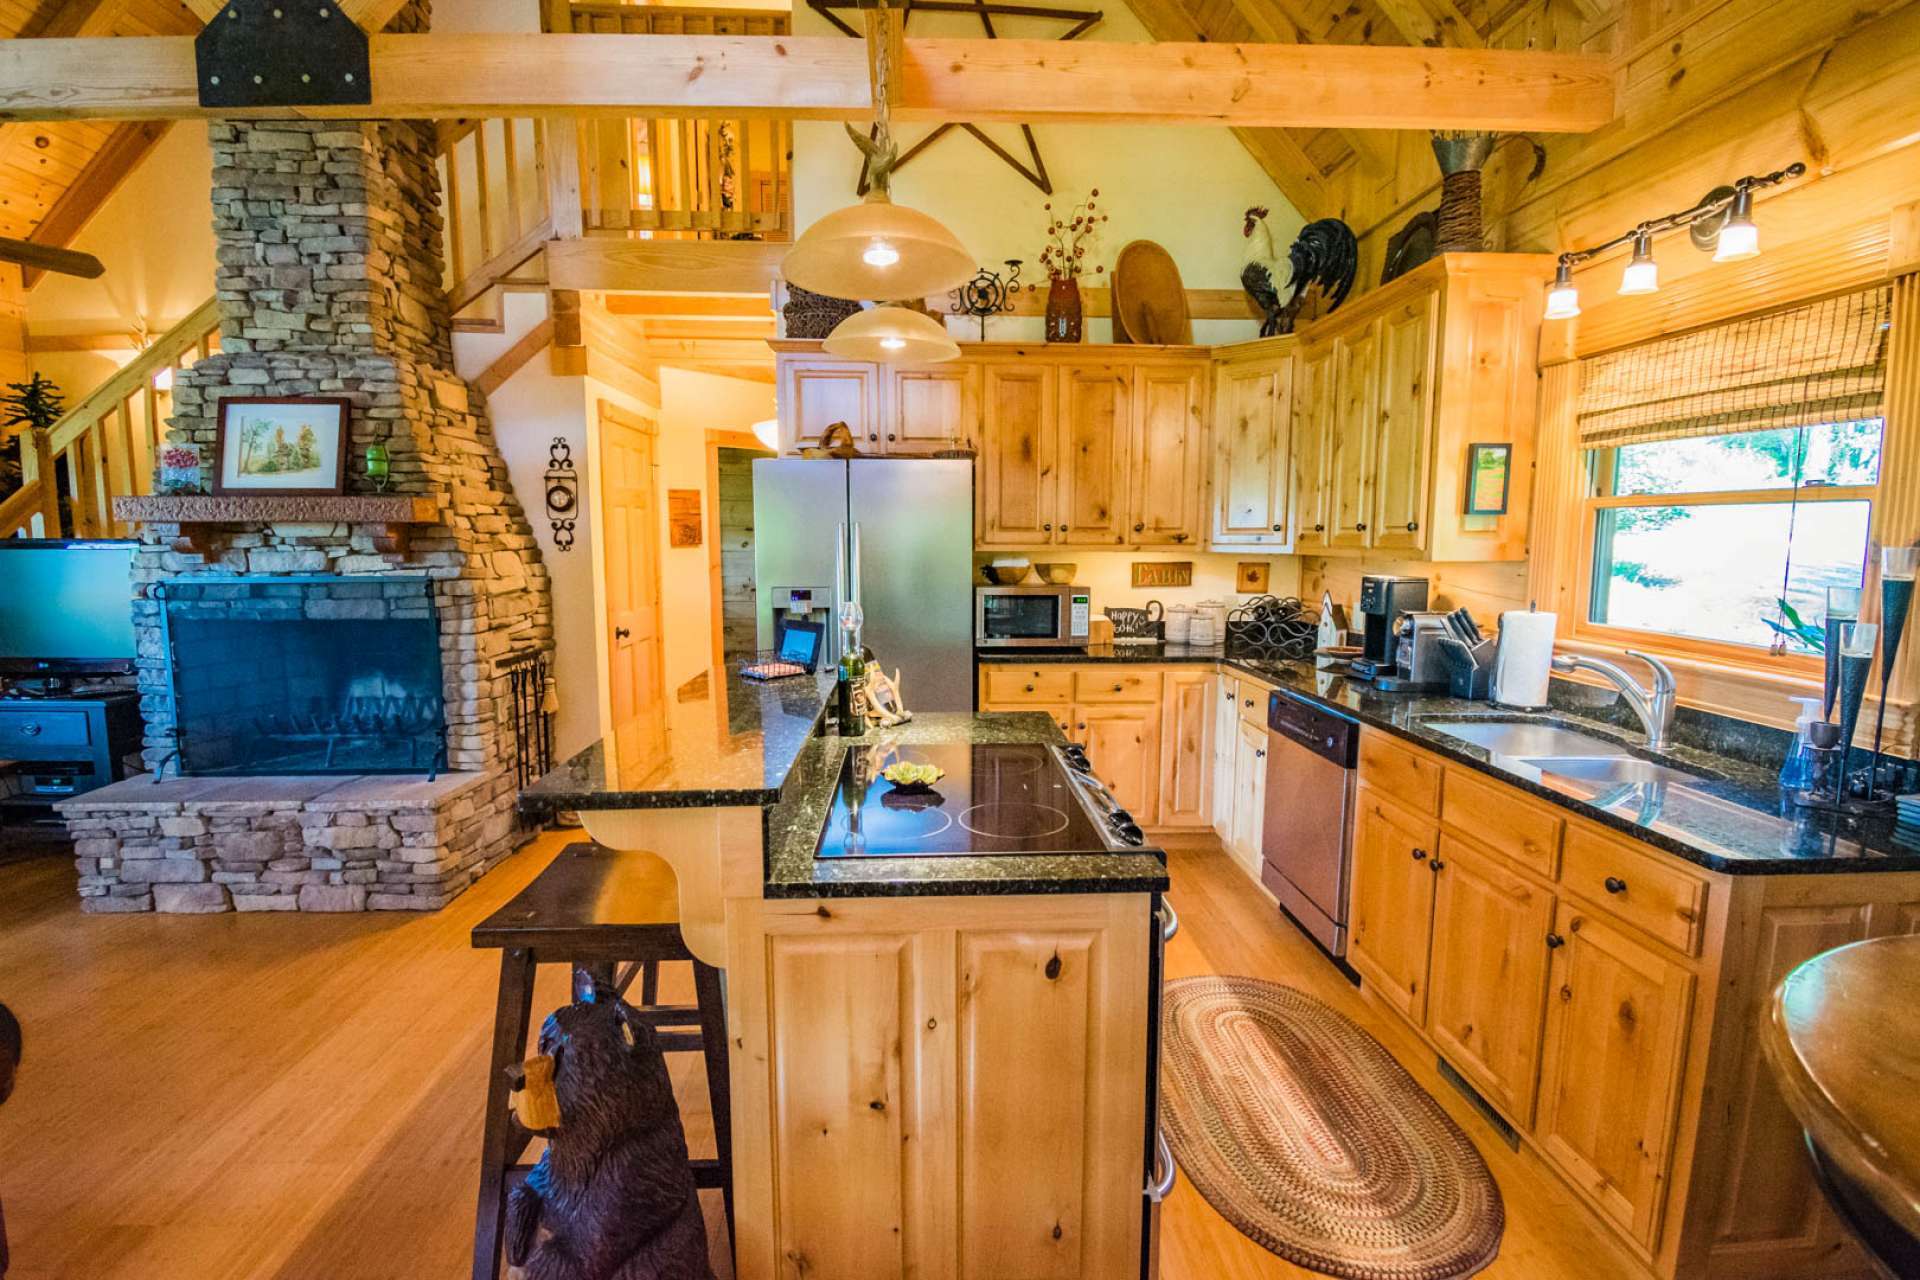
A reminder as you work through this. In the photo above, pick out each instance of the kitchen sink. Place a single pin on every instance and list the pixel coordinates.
(1528, 739)
(1616, 768)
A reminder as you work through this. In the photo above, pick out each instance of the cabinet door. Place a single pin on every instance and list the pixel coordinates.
(1617, 1017)
(1356, 378)
(1489, 972)
(1186, 757)
(1252, 411)
(1392, 906)
(1249, 798)
(1312, 441)
(1167, 462)
(1399, 481)
(1096, 418)
(1225, 740)
(1014, 482)
(1123, 746)
(933, 408)
(819, 393)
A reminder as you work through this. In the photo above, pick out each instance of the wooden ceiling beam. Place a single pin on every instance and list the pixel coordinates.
(1274, 24)
(825, 78)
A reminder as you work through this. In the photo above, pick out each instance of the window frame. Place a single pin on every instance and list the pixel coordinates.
(1597, 474)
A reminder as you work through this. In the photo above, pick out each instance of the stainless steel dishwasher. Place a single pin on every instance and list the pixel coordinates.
(1307, 846)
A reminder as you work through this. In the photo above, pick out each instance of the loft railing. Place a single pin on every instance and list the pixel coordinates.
(106, 446)
(496, 179)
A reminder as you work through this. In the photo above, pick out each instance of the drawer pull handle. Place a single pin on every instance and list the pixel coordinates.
(1555, 942)
(1359, 528)
(1139, 527)
(1435, 865)
(31, 729)
(1260, 754)
(1419, 855)
(1319, 528)
(1249, 702)
(1120, 688)
(1048, 526)
(1029, 688)
(1614, 884)
(1277, 528)
(1413, 526)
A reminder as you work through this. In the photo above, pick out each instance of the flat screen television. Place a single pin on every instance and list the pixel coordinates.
(66, 607)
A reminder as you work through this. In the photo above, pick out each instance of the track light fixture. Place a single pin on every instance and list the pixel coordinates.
(1721, 224)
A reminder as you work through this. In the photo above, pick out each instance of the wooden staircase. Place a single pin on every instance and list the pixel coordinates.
(108, 445)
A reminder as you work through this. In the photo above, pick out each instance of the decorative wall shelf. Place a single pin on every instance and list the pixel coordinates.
(204, 517)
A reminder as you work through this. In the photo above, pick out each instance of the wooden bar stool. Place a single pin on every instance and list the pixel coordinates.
(613, 915)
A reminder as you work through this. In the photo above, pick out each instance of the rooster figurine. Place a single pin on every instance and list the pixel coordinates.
(1321, 265)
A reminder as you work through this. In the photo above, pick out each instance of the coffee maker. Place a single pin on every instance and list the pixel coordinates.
(1383, 600)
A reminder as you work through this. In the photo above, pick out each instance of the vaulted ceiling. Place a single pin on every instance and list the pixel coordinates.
(54, 176)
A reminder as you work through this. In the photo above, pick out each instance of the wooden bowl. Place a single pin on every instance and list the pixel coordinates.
(1057, 575)
(1008, 574)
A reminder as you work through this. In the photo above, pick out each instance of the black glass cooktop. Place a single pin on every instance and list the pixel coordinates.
(995, 798)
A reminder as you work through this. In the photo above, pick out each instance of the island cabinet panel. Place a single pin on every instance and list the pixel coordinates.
(1014, 480)
(1096, 408)
(1168, 456)
(939, 1087)
(1488, 975)
(1252, 430)
(1391, 907)
(1618, 1012)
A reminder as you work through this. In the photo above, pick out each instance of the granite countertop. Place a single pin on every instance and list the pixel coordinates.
(733, 750)
(1735, 821)
(793, 830)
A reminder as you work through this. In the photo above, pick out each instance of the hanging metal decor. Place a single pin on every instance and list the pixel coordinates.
(1081, 20)
(563, 493)
(987, 295)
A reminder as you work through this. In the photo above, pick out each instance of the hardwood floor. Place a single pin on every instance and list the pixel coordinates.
(297, 1098)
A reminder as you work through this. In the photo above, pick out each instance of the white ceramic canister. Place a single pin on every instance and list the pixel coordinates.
(1179, 621)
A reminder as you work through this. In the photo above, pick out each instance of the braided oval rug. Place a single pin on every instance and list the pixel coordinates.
(1303, 1132)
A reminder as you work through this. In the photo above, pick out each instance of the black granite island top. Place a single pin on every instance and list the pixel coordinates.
(1734, 820)
(793, 829)
(735, 750)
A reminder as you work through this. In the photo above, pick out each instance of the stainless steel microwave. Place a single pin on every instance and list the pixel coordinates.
(1031, 617)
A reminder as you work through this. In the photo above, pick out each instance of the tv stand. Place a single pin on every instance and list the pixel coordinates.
(57, 746)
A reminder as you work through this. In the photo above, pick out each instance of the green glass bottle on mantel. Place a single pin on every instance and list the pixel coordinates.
(379, 466)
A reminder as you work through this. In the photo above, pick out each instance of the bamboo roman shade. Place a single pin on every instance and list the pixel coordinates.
(1825, 362)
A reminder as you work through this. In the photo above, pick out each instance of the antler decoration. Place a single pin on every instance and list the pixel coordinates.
(879, 147)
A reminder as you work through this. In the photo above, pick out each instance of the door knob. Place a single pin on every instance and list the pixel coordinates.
(621, 633)
(1276, 528)
(1139, 526)
(1319, 528)
(1360, 528)
(1555, 941)
(1413, 526)
(1615, 884)
(1419, 855)
(1435, 865)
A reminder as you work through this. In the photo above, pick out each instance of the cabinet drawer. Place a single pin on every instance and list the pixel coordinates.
(1502, 819)
(37, 731)
(1636, 886)
(1406, 775)
(1251, 699)
(1028, 684)
(1115, 684)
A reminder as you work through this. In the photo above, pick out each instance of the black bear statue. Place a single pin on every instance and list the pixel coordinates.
(613, 1197)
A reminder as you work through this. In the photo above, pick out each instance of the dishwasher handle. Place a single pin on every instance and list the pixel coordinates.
(1164, 1169)
(1169, 920)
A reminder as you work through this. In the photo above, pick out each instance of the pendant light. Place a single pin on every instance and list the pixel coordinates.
(1563, 299)
(1642, 274)
(767, 432)
(889, 334)
(878, 250)
(1739, 238)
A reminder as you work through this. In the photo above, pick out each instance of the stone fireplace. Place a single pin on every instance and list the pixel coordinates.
(325, 701)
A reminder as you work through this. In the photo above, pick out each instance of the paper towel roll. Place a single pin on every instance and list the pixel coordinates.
(1524, 660)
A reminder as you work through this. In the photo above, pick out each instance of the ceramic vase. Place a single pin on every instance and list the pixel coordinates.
(1063, 310)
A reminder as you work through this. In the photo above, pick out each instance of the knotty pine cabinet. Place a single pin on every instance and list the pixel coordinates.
(1605, 998)
(1252, 469)
(924, 1086)
(1387, 393)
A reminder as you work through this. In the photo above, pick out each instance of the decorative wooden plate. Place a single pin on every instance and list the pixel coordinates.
(1149, 300)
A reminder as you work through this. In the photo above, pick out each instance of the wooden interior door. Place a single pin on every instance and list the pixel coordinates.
(1356, 394)
(1489, 973)
(630, 525)
(1014, 483)
(1312, 413)
(1250, 455)
(1407, 344)
(1096, 418)
(1167, 461)
(1392, 906)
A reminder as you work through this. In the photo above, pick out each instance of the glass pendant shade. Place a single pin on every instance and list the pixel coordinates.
(891, 335)
(1739, 238)
(878, 251)
(767, 432)
(1563, 299)
(1642, 274)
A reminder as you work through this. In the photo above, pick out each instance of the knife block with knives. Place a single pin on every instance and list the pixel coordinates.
(1469, 657)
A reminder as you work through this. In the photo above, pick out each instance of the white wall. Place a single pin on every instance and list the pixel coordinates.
(1185, 187)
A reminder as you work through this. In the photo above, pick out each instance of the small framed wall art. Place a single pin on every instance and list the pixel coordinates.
(1489, 477)
(281, 444)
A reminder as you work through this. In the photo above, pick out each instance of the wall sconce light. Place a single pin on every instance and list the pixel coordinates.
(1721, 224)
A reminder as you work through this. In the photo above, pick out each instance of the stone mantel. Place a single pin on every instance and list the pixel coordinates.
(202, 517)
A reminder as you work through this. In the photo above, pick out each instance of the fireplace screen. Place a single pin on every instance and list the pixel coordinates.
(305, 675)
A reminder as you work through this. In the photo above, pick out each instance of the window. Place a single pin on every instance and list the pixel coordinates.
(1705, 537)
(1731, 476)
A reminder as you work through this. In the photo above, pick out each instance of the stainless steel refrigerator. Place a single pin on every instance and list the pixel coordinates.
(914, 523)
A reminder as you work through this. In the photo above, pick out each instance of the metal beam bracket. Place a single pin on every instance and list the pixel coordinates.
(282, 53)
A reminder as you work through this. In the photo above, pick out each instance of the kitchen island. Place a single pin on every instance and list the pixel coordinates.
(940, 1065)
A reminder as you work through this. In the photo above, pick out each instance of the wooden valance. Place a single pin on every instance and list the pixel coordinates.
(1824, 362)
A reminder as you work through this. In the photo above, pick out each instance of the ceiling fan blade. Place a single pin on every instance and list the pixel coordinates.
(68, 262)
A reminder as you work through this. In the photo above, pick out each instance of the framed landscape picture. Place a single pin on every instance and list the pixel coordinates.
(281, 444)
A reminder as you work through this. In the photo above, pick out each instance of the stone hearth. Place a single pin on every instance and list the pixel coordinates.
(329, 281)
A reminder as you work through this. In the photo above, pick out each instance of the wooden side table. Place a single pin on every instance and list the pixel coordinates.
(614, 915)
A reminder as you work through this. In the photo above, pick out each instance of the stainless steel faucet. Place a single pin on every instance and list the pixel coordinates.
(1654, 706)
